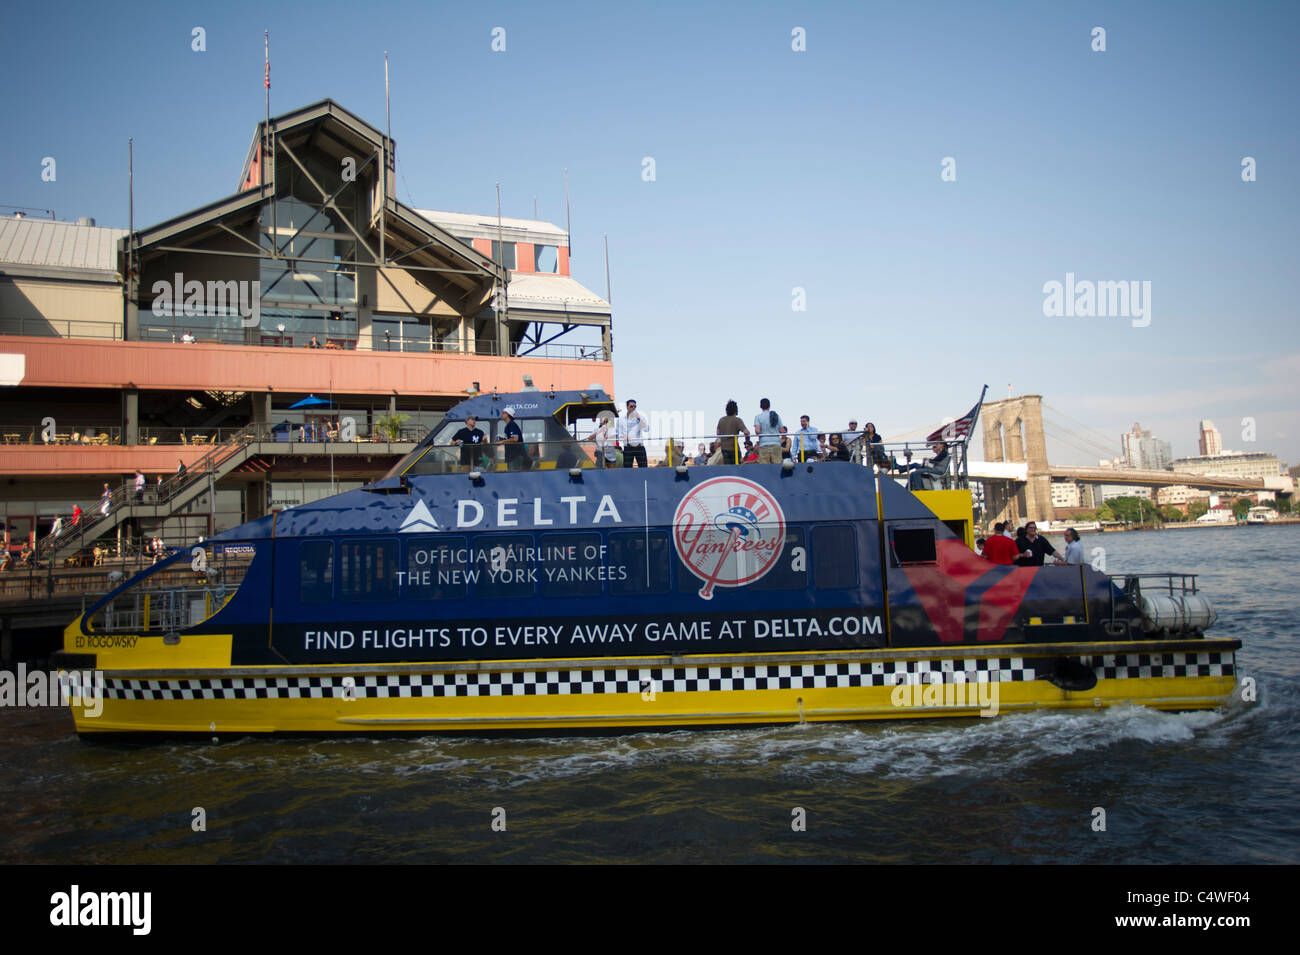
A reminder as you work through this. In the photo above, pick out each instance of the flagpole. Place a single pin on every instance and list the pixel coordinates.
(568, 227)
(268, 157)
(503, 306)
(383, 189)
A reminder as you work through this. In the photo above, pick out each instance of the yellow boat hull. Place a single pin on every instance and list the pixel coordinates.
(643, 692)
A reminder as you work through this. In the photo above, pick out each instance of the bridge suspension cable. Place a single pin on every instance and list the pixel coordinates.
(1105, 441)
(1075, 440)
(1065, 439)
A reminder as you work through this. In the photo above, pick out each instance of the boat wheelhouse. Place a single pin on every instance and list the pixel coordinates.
(539, 592)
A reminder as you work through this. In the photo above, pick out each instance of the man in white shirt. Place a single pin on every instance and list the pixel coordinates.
(633, 429)
(1073, 548)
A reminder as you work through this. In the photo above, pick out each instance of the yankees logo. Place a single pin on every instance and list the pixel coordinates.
(728, 532)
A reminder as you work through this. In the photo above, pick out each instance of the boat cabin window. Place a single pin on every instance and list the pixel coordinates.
(790, 572)
(180, 592)
(570, 565)
(316, 572)
(435, 567)
(958, 528)
(369, 570)
(645, 560)
(504, 565)
(835, 559)
(914, 545)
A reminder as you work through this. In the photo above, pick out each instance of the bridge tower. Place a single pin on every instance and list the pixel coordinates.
(1013, 432)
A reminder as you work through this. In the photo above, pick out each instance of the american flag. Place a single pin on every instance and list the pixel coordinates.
(960, 430)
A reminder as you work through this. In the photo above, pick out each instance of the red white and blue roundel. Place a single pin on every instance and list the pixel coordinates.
(729, 532)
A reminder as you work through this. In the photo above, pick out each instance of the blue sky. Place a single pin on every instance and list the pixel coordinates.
(777, 170)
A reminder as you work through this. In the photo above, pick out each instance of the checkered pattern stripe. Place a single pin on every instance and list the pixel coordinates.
(657, 679)
(1148, 665)
(569, 682)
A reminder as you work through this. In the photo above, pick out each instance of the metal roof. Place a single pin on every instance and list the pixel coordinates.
(473, 226)
(530, 404)
(560, 294)
(45, 247)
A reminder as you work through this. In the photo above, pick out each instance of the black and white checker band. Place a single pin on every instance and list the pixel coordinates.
(655, 679)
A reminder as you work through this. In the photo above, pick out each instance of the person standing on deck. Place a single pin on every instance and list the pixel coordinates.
(606, 438)
(1033, 547)
(1073, 548)
(999, 548)
(804, 445)
(469, 438)
(633, 429)
(767, 426)
(729, 430)
(513, 438)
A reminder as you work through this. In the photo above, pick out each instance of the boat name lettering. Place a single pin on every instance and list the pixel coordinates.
(96, 641)
(470, 513)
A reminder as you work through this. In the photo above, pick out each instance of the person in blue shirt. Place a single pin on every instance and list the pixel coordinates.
(767, 425)
(468, 438)
(805, 446)
(513, 438)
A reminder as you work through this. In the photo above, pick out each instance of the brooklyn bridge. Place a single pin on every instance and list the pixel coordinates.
(1017, 476)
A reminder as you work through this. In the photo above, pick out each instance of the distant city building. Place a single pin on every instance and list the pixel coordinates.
(1233, 464)
(1180, 495)
(1111, 491)
(1143, 450)
(1065, 494)
(1209, 443)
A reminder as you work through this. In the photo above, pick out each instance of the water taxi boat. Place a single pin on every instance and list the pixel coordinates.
(526, 589)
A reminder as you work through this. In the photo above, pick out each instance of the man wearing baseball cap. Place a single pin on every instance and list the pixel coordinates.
(469, 438)
(512, 436)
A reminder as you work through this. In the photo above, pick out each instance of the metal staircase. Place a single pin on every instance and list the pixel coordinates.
(168, 498)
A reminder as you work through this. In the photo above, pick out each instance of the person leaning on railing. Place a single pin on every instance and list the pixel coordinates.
(875, 449)
(805, 445)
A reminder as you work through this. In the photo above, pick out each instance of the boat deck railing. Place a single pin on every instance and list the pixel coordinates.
(172, 599)
(688, 451)
(1173, 584)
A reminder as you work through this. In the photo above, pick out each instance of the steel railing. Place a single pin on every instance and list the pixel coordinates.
(153, 330)
(583, 452)
(178, 489)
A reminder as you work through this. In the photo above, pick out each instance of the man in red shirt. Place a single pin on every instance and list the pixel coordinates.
(1000, 549)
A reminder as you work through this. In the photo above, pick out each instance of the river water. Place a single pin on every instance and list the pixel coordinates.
(1176, 788)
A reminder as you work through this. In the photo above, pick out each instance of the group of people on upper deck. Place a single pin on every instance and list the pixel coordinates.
(770, 442)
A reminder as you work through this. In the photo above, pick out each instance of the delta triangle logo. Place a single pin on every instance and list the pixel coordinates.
(418, 520)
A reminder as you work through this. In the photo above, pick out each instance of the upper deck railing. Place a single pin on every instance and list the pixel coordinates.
(888, 460)
(175, 490)
(156, 329)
